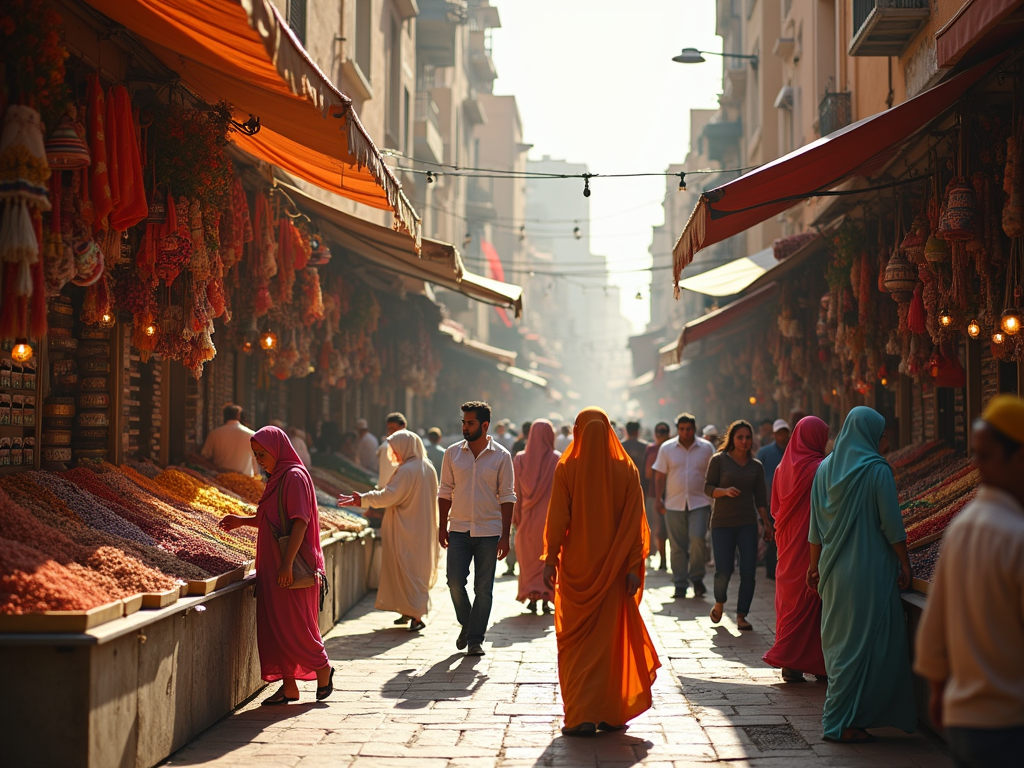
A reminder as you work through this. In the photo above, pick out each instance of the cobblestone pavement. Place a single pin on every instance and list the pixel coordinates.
(414, 701)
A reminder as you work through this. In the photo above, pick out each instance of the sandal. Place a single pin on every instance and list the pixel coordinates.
(792, 676)
(531, 607)
(744, 625)
(403, 620)
(278, 698)
(322, 692)
(583, 729)
(716, 615)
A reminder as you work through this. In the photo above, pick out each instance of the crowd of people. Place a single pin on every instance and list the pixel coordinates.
(590, 518)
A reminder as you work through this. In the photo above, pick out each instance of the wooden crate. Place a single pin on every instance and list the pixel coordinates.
(920, 585)
(62, 621)
(206, 586)
(132, 604)
(161, 599)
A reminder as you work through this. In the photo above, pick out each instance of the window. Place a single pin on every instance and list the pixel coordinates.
(364, 31)
(296, 18)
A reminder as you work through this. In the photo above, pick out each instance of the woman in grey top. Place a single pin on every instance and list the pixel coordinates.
(735, 482)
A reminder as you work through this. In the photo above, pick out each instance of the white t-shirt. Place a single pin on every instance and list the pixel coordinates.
(685, 471)
(228, 448)
(366, 452)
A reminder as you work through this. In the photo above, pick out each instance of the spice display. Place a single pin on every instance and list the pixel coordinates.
(31, 582)
(248, 487)
(89, 509)
(924, 560)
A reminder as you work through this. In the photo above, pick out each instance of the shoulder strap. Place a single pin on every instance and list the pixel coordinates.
(282, 518)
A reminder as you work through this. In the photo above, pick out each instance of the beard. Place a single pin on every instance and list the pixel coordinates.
(473, 436)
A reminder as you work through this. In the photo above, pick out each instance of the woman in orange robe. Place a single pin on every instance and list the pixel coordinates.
(596, 542)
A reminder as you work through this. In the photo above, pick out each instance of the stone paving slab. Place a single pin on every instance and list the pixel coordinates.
(406, 700)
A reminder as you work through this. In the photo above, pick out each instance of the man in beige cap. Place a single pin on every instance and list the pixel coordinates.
(366, 447)
(970, 644)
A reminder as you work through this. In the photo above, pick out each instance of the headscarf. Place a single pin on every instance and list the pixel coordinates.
(855, 452)
(791, 487)
(405, 446)
(535, 466)
(275, 442)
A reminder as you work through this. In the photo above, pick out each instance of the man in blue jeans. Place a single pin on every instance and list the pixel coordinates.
(475, 500)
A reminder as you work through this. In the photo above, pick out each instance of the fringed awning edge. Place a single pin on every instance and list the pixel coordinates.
(689, 243)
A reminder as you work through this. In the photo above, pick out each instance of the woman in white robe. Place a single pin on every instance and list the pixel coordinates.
(409, 530)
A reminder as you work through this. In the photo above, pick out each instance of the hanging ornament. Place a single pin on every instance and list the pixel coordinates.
(22, 352)
(66, 149)
(998, 337)
(1009, 321)
(936, 250)
(973, 328)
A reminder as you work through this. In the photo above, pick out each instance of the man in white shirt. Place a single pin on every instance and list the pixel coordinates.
(475, 500)
(970, 644)
(679, 476)
(393, 423)
(563, 439)
(366, 447)
(228, 448)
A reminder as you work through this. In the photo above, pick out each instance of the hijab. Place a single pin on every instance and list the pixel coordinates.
(275, 442)
(535, 466)
(855, 454)
(791, 486)
(405, 446)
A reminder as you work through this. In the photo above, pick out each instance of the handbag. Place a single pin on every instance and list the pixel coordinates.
(303, 574)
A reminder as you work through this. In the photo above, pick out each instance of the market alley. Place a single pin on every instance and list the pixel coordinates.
(405, 699)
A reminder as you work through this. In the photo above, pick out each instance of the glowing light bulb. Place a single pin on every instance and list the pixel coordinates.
(247, 347)
(835, 391)
(106, 320)
(150, 330)
(268, 340)
(998, 337)
(753, 400)
(22, 352)
(973, 329)
(1010, 322)
(945, 319)
(885, 381)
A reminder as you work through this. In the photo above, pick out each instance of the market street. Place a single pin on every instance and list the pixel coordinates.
(413, 700)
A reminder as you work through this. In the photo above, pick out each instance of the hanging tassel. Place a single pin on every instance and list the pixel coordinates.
(17, 235)
(916, 316)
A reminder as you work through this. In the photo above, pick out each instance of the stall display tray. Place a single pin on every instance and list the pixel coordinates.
(206, 586)
(161, 599)
(132, 604)
(62, 621)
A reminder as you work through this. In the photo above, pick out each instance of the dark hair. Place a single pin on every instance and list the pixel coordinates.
(396, 418)
(728, 442)
(525, 428)
(663, 426)
(232, 412)
(632, 427)
(481, 409)
(762, 422)
(434, 432)
(1009, 445)
(689, 418)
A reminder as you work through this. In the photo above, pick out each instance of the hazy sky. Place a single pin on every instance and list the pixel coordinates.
(596, 84)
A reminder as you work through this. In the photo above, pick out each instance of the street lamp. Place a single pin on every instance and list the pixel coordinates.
(693, 56)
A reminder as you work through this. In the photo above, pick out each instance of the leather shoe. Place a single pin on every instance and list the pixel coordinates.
(461, 642)
(475, 650)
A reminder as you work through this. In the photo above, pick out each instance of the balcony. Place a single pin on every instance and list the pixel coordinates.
(473, 109)
(435, 30)
(480, 61)
(721, 138)
(428, 143)
(834, 112)
(886, 27)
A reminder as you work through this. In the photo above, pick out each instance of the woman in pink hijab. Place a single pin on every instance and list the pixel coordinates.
(797, 646)
(534, 475)
(287, 626)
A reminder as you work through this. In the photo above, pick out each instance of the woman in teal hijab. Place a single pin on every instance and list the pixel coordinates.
(858, 565)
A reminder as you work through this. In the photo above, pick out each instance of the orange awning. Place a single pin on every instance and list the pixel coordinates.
(858, 149)
(716, 322)
(242, 52)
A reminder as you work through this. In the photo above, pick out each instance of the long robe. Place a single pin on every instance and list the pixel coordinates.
(534, 474)
(596, 534)
(797, 607)
(409, 529)
(287, 620)
(855, 517)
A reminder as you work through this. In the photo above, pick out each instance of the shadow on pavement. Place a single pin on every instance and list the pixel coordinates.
(619, 749)
(450, 680)
(521, 628)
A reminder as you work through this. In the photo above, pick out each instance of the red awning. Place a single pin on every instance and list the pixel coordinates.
(980, 25)
(858, 149)
(716, 322)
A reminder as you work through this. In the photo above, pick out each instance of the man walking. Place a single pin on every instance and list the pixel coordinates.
(475, 501)
(679, 476)
(969, 644)
(228, 445)
(435, 453)
(771, 456)
(636, 448)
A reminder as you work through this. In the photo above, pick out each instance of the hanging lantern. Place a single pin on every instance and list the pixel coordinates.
(22, 352)
(973, 328)
(268, 341)
(945, 318)
(752, 400)
(936, 250)
(998, 337)
(913, 244)
(900, 278)
(66, 150)
(247, 347)
(961, 213)
(106, 319)
(150, 330)
(1010, 321)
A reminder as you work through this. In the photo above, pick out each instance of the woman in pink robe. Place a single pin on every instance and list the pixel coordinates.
(287, 626)
(797, 646)
(534, 475)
